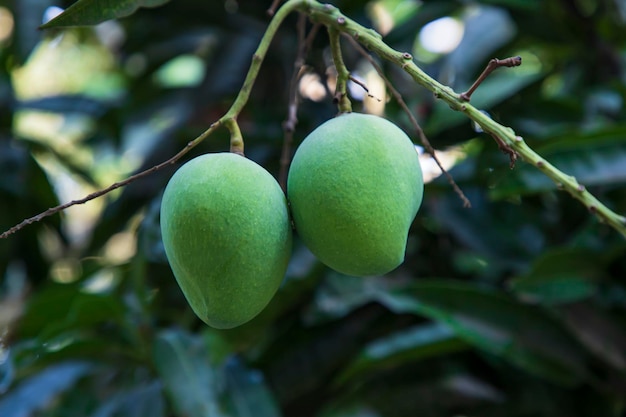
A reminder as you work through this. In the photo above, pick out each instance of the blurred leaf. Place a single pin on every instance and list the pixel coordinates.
(505, 237)
(67, 104)
(38, 391)
(478, 45)
(352, 410)
(401, 348)
(602, 335)
(63, 308)
(338, 295)
(527, 336)
(530, 5)
(560, 276)
(7, 369)
(141, 401)
(25, 190)
(248, 392)
(190, 381)
(92, 12)
(553, 289)
(303, 360)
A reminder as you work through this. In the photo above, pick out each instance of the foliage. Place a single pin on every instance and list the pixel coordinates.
(514, 307)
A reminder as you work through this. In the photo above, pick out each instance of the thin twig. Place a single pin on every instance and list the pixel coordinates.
(364, 87)
(190, 145)
(513, 61)
(289, 125)
(229, 119)
(492, 65)
(272, 9)
(423, 139)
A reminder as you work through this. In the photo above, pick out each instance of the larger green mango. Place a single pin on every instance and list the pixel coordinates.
(355, 186)
(227, 236)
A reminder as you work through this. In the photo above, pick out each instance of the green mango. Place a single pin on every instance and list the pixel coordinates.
(355, 186)
(227, 236)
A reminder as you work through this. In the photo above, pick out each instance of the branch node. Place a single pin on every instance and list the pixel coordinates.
(407, 55)
(341, 20)
(506, 149)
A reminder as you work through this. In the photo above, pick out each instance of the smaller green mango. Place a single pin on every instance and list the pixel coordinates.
(227, 236)
(355, 185)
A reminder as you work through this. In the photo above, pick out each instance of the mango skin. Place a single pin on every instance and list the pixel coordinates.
(227, 236)
(355, 186)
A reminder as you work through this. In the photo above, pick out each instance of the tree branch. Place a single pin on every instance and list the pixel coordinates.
(332, 17)
(229, 120)
(114, 186)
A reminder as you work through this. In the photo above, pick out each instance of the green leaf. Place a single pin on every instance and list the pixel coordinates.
(92, 12)
(525, 335)
(182, 361)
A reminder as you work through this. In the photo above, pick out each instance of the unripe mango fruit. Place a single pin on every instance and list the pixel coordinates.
(355, 185)
(227, 236)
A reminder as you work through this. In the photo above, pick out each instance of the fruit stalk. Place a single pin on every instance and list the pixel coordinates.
(343, 75)
(332, 17)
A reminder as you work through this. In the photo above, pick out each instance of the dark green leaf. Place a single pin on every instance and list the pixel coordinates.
(560, 276)
(527, 336)
(92, 12)
(183, 364)
(553, 289)
(530, 5)
(598, 331)
(248, 393)
(403, 347)
(64, 308)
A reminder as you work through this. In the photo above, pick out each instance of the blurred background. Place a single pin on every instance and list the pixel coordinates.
(514, 307)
